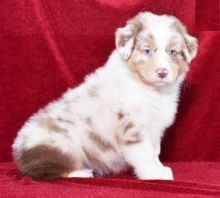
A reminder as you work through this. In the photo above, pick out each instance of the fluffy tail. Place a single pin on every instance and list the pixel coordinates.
(44, 162)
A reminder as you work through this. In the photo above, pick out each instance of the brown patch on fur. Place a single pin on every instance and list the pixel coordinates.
(136, 139)
(65, 121)
(181, 53)
(128, 126)
(171, 44)
(122, 40)
(131, 142)
(96, 139)
(179, 27)
(151, 43)
(93, 158)
(89, 122)
(180, 64)
(103, 145)
(92, 91)
(145, 41)
(120, 115)
(118, 138)
(191, 46)
(52, 125)
(125, 136)
(45, 162)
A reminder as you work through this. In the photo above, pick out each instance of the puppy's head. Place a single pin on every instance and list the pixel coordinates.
(156, 48)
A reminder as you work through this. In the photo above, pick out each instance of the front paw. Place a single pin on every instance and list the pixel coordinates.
(162, 173)
(167, 173)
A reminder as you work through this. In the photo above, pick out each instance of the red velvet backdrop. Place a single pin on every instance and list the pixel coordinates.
(48, 46)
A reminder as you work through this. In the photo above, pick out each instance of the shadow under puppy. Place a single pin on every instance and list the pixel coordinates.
(118, 115)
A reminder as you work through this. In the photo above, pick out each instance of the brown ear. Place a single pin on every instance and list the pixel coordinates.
(191, 46)
(125, 37)
(191, 43)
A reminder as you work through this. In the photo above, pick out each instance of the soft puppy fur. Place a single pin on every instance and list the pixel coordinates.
(118, 115)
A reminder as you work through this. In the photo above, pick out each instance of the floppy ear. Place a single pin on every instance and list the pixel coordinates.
(191, 45)
(125, 37)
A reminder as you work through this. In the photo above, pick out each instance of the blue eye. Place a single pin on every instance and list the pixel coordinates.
(172, 52)
(148, 52)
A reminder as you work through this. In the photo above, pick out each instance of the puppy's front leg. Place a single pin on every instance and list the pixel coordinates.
(142, 157)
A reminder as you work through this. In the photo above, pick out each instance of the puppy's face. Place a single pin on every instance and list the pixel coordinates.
(157, 49)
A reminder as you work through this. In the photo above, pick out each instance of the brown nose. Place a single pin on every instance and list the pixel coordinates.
(161, 72)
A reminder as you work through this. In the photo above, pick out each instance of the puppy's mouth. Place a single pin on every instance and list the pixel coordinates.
(158, 82)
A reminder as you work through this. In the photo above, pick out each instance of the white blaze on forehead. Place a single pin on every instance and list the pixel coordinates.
(161, 35)
(161, 28)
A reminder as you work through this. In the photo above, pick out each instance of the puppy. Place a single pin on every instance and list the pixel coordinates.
(116, 118)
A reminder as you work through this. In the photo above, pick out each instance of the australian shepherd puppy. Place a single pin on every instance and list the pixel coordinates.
(116, 118)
